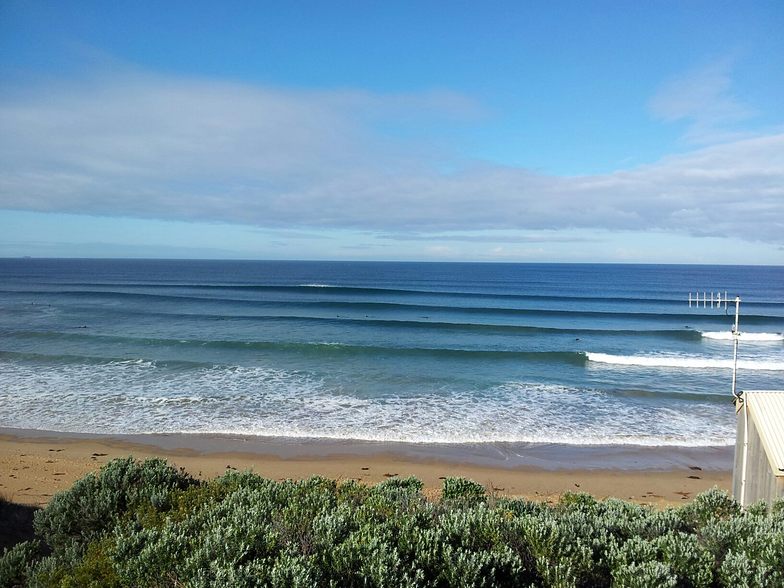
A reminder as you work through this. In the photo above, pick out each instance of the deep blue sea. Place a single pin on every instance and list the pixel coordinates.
(415, 352)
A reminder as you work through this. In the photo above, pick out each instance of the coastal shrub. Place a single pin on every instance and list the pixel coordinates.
(91, 567)
(709, 506)
(463, 490)
(395, 485)
(144, 524)
(16, 562)
(95, 503)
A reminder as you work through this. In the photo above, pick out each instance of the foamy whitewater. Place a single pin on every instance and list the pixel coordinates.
(411, 352)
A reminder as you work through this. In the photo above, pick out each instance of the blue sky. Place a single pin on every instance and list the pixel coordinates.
(496, 131)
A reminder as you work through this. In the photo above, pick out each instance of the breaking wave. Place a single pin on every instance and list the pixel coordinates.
(744, 336)
(665, 361)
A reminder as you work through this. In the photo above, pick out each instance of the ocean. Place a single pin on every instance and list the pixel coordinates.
(577, 354)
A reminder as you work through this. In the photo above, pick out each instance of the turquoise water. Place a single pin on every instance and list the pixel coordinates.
(416, 352)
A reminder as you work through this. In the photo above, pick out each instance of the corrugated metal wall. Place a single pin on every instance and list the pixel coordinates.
(762, 482)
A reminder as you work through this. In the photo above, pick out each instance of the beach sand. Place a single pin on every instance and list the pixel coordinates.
(34, 465)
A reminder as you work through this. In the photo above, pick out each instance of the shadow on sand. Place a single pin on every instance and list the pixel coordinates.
(16, 523)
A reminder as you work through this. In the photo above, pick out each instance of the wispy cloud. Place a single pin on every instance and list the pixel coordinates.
(113, 250)
(493, 237)
(703, 98)
(149, 146)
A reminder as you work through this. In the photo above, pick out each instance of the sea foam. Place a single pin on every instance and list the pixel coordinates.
(134, 397)
(678, 361)
(744, 336)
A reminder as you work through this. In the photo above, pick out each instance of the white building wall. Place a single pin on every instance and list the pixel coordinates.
(764, 479)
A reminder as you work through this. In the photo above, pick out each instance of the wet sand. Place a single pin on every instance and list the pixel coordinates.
(34, 465)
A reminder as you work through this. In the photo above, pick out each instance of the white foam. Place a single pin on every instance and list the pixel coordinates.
(317, 286)
(133, 362)
(129, 397)
(170, 399)
(744, 336)
(679, 361)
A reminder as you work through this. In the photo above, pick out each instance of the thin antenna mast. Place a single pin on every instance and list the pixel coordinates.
(736, 334)
(739, 401)
(735, 339)
(744, 406)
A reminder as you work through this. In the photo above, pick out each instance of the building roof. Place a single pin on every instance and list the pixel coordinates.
(766, 408)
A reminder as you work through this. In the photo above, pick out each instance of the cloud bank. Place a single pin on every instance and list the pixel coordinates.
(148, 146)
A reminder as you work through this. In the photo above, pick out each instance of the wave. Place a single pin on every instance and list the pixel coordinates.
(744, 336)
(263, 401)
(683, 362)
(679, 396)
(324, 349)
(431, 309)
(69, 359)
(202, 294)
(391, 324)
(337, 349)
(339, 289)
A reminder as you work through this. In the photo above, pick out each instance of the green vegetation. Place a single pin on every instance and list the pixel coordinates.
(147, 524)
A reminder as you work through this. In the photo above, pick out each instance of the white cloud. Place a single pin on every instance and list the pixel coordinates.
(199, 150)
(704, 99)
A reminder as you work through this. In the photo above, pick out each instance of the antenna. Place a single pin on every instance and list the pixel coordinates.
(738, 400)
(715, 302)
(735, 339)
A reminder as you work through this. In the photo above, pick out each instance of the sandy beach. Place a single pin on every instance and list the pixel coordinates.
(34, 465)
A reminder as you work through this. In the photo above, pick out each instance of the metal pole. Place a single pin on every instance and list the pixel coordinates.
(735, 338)
(745, 452)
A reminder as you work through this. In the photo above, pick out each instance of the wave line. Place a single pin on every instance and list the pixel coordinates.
(683, 362)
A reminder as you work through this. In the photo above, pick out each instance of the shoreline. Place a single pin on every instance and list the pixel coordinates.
(503, 455)
(36, 464)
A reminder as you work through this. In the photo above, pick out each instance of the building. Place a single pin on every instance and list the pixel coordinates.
(759, 447)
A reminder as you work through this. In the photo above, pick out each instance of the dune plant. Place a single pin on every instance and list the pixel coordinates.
(147, 524)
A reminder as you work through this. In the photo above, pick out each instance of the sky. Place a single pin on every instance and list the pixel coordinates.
(640, 132)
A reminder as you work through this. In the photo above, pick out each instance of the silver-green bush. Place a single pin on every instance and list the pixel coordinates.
(145, 524)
